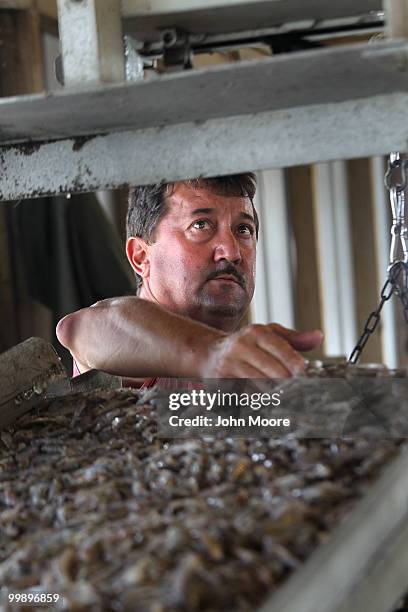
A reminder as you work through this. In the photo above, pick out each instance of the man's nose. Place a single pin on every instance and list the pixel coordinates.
(227, 247)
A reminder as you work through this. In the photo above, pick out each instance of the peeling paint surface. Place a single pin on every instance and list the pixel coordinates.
(221, 146)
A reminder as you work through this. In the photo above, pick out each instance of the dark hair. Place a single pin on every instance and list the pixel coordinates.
(148, 205)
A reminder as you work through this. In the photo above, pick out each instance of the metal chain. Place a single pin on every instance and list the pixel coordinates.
(390, 287)
(397, 273)
(397, 167)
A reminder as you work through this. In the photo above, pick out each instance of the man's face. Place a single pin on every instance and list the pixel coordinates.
(202, 261)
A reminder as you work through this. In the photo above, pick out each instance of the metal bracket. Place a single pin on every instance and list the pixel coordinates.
(177, 49)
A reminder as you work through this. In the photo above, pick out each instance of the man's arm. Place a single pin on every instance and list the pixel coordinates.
(134, 338)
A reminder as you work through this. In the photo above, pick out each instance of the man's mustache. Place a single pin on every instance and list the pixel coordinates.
(230, 269)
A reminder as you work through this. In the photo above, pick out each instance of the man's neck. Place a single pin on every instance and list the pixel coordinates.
(227, 324)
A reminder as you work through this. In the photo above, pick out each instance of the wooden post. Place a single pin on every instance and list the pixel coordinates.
(21, 71)
(365, 252)
(21, 64)
(91, 42)
(396, 18)
(308, 307)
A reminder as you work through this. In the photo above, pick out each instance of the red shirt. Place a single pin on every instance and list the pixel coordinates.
(163, 383)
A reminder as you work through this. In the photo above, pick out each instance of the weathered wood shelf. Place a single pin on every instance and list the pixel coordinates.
(336, 103)
(220, 16)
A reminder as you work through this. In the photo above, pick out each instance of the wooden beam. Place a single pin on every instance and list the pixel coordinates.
(396, 13)
(16, 4)
(21, 60)
(8, 315)
(365, 251)
(47, 8)
(21, 71)
(308, 306)
(91, 42)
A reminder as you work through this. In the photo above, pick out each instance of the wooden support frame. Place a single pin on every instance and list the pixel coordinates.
(15, 4)
(396, 13)
(20, 53)
(308, 303)
(365, 251)
(21, 71)
(46, 8)
(91, 42)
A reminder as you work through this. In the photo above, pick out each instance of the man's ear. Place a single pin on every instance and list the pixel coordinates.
(137, 251)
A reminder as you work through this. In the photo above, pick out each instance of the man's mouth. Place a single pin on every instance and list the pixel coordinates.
(230, 278)
(227, 277)
(228, 274)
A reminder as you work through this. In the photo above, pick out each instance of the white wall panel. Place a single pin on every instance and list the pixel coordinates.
(383, 238)
(335, 258)
(273, 300)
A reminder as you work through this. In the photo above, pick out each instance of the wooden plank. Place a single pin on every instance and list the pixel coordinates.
(216, 16)
(15, 4)
(47, 8)
(35, 320)
(91, 42)
(365, 252)
(27, 371)
(21, 72)
(396, 12)
(308, 306)
(21, 65)
(8, 318)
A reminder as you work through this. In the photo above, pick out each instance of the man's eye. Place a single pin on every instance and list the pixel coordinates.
(246, 229)
(200, 224)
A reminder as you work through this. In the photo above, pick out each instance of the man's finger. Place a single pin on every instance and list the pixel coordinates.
(244, 370)
(283, 351)
(301, 341)
(270, 368)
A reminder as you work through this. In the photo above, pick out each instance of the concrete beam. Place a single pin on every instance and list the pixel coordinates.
(219, 146)
(287, 110)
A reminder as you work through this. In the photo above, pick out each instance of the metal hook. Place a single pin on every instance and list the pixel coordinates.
(396, 165)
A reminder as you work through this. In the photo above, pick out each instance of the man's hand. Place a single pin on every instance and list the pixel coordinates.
(259, 351)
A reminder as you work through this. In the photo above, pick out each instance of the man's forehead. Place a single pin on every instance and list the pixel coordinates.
(185, 198)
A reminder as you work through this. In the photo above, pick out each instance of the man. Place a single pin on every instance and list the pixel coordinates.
(192, 246)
